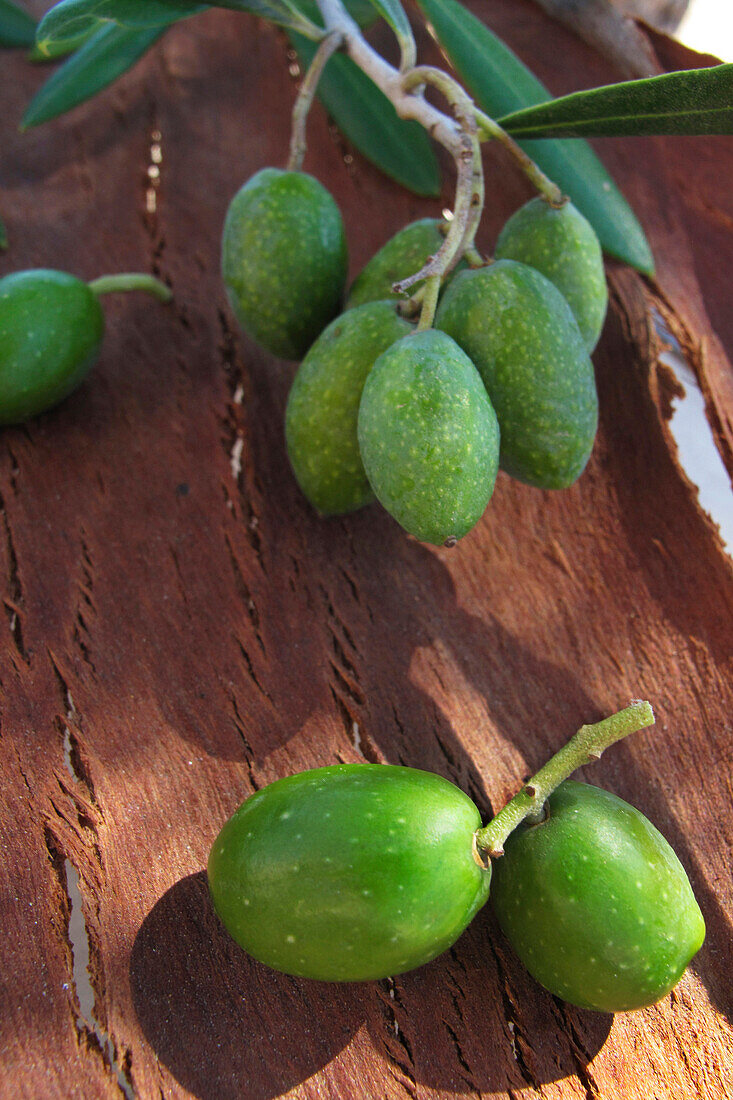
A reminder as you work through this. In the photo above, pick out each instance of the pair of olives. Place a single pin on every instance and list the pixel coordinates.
(421, 419)
(363, 871)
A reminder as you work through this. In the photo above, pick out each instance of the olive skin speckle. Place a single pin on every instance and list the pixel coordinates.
(429, 437)
(284, 260)
(51, 330)
(358, 911)
(323, 406)
(518, 329)
(562, 245)
(613, 959)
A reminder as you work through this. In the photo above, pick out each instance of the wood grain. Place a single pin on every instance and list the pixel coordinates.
(181, 629)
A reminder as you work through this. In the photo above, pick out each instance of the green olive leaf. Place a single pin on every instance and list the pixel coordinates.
(54, 51)
(3, 236)
(361, 11)
(394, 13)
(69, 18)
(111, 51)
(17, 28)
(365, 116)
(691, 101)
(500, 84)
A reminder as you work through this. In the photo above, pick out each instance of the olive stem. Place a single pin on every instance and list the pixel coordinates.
(405, 92)
(449, 252)
(326, 49)
(429, 303)
(110, 284)
(584, 747)
(405, 89)
(478, 194)
(490, 130)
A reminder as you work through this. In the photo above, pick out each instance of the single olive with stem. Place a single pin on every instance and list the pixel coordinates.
(51, 331)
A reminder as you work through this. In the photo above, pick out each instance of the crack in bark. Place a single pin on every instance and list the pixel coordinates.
(245, 594)
(467, 1075)
(395, 1044)
(358, 737)
(249, 755)
(353, 588)
(13, 605)
(235, 433)
(81, 629)
(69, 726)
(580, 1055)
(251, 670)
(14, 471)
(511, 1014)
(79, 947)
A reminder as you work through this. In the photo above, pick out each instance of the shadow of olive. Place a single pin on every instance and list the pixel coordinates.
(225, 1026)
(474, 1020)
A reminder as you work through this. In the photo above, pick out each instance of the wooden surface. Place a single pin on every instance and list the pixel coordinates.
(181, 629)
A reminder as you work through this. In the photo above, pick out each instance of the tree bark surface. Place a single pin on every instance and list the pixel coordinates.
(180, 628)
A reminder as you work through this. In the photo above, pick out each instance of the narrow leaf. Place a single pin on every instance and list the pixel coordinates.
(692, 101)
(501, 84)
(59, 48)
(401, 149)
(109, 53)
(75, 17)
(17, 28)
(3, 236)
(284, 12)
(72, 17)
(394, 13)
(361, 11)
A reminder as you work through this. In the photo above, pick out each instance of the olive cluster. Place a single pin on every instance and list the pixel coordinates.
(421, 419)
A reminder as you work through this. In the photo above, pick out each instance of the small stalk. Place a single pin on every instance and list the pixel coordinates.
(586, 746)
(326, 49)
(429, 303)
(469, 187)
(449, 251)
(110, 284)
(489, 130)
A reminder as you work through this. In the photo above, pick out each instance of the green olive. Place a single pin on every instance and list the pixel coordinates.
(595, 902)
(284, 259)
(349, 872)
(51, 329)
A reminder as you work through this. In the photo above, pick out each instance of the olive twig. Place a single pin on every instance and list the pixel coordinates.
(110, 284)
(404, 89)
(469, 187)
(460, 135)
(584, 747)
(468, 246)
(326, 48)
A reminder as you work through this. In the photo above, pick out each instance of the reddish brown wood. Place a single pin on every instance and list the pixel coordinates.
(198, 631)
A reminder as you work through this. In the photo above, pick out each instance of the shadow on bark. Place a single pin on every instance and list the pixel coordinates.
(227, 1027)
